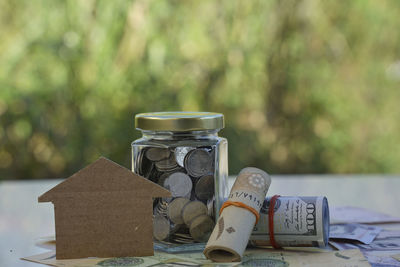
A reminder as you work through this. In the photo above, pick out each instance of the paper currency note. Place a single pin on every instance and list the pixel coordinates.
(347, 214)
(359, 232)
(387, 243)
(253, 257)
(159, 259)
(282, 258)
(298, 221)
(396, 256)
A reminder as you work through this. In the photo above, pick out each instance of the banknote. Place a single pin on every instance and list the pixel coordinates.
(379, 252)
(159, 259)
(385, 241)
(348, 214)
(298, 221)
(396, 256)
(269, 257)
(353, 231)
(252, 257)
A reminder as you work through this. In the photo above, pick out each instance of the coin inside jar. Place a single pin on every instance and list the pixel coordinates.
(198, 162)
(157, 153)
(168, 164)
(179, 184)
(174, 211)
(161, 227)
(162, 178)
(160, 208)
(201, 228)
(204, 188)
(210, 207)
(180, 154)
(193, 209)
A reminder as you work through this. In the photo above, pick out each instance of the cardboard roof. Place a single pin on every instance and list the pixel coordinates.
(104, 175)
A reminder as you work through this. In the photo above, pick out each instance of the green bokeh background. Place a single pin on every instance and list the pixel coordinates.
(306, 86)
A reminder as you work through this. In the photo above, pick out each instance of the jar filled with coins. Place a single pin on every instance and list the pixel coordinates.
(182, 152)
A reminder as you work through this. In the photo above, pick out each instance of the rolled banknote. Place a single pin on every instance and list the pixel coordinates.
(298, 222)
(238, 217)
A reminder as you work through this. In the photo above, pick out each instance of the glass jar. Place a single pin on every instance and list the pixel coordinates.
(182, 152)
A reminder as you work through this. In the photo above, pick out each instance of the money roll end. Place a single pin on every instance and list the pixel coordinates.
(219, 254)
(254, 170)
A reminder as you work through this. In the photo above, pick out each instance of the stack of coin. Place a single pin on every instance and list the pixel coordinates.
(188, 173)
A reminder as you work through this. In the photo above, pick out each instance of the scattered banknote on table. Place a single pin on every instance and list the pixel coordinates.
(253, 257)
(353, 231)
(347, 214)
(380, 251)
(396, 256)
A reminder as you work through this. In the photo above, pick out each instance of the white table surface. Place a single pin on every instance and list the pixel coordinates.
(23, 220)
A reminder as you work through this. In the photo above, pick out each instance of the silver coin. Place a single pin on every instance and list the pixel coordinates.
(180, 154)
(198, 162)
(211, 207)
(179, 184)
(139, 162)
(157, 153)
(174, 211)
(168, 164)
(204, 188)
(145, 165)
(162, 178)
(201, 228)
(161, 227)
(160, 208)
(193, 209)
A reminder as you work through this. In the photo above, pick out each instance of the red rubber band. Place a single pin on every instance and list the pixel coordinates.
(271, 221)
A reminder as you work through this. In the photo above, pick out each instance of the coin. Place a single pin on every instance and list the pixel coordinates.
(198, 162)
(154, 174)
(157, 153)
(183, 238)
(180, 154)
(193, 209)
(162, 178)
(139, 161)
(145, 166)
(210, 207)
(168, 164)
(161, 208)
(179, 184)
(204, 187)
(201, 228)
(174, 210)
(161, 227)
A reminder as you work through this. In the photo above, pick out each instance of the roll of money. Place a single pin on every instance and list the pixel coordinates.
(298, 222)
(239, 214)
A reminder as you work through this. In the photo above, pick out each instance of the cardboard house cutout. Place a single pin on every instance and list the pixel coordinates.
(104, 210)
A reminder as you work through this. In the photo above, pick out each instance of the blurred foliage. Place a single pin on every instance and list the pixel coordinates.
(306, 86)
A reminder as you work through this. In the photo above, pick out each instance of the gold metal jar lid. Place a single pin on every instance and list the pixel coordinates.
(179, 121)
